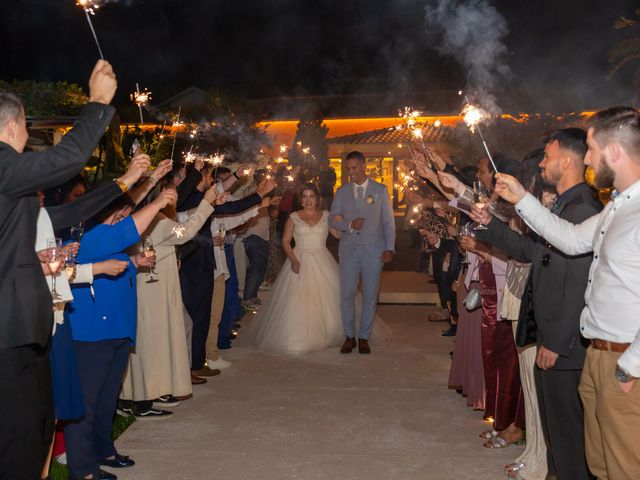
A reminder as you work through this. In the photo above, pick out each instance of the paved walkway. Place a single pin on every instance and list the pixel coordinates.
(321, 416)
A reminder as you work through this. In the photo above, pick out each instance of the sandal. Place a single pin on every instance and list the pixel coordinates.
(514, 467)
(489, 434)
(500, 442)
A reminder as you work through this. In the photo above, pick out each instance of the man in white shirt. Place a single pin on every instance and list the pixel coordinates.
(611, 317)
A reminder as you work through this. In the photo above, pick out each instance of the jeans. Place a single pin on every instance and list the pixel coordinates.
(258, 252)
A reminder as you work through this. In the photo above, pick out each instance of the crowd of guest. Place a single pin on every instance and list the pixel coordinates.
(542, 296)
(130, 293)
(122, 297)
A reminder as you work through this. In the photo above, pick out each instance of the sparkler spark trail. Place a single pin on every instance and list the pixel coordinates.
(89, 8)
(177, 123)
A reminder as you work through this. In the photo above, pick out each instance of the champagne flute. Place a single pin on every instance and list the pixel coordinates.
(480, 199)
(54, 262)
(149, 251)
(76, 233)
(464, 231)
(222, 231)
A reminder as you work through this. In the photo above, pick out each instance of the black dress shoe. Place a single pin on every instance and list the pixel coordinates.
(97, 475)
(120, 461)
(451, 332)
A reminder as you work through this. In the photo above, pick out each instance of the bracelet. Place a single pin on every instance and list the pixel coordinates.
(152, 180)
(123, 186)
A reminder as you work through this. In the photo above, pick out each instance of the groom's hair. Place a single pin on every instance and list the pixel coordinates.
(357, 156)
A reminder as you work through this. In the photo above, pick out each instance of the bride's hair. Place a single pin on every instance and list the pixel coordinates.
(313, 188)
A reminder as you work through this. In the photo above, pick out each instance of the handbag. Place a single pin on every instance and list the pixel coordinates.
(473, 299)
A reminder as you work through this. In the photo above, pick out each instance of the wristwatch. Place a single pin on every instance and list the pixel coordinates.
(622, 375)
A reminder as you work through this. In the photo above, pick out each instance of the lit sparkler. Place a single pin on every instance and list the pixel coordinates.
(473, 116)
(283, 149)
(141, 99)
(90, 7)
(175, 136)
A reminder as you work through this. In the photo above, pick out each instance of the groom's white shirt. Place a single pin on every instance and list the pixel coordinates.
(364, 186)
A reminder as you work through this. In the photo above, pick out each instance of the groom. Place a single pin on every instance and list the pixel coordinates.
(362, 212)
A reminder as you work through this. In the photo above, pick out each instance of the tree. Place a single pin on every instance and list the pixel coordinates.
(309, 149)
(45, 99)
(627, 50)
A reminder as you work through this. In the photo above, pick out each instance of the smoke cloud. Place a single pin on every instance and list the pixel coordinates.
(472, 32)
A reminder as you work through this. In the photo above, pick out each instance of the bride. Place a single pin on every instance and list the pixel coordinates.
(303, 314)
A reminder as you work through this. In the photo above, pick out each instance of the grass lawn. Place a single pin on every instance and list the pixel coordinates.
(120, 424)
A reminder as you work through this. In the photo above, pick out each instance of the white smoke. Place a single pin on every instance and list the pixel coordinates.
(472, 32)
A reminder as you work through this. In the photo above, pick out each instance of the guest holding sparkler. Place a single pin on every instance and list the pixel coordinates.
(26, 319)
(102, 347)
(159, 368)
(499, 354)
(197, 270)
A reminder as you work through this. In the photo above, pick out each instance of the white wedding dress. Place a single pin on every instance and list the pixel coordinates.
(303, 312)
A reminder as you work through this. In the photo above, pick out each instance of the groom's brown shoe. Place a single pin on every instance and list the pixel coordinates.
(348, 345)
(363, 346)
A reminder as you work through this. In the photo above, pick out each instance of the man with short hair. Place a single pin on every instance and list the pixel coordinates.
(611, 315)
(557, 282)
(26, 314)
(362, 212)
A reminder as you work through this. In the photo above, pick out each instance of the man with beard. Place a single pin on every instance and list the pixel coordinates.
(557, 283)
(611, 315)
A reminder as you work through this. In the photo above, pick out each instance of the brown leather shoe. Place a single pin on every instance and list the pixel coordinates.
(206, 372)
(348, 345)
(197, 380)
(363, 346)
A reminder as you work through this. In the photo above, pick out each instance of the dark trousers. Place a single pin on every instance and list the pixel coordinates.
(196, 283)
(101, 366)
(562, 421)
(26, 412)
(232, 307)
(257, 250)
(445, 278)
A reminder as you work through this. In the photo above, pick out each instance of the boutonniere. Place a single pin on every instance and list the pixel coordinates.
(370, 199)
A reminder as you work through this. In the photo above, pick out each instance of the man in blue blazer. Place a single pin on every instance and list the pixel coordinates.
(362, 212)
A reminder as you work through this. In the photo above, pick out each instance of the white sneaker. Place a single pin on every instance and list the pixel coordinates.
(219, 364)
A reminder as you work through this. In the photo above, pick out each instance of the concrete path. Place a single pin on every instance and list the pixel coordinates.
(388, 415)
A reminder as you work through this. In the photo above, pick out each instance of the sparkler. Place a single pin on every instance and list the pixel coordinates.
(472, 117)
(410, 122)
(176, 124)
(160, 137)
(90, 8)
(141, 99)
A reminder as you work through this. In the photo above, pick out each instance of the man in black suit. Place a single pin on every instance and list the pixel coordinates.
(558, 283)
(26, 413)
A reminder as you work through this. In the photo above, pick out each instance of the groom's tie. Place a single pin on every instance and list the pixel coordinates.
(359, 195)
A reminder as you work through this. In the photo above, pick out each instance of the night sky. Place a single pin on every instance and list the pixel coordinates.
(259, 48)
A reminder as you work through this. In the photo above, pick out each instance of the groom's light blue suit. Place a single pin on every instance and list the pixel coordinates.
(361, 250)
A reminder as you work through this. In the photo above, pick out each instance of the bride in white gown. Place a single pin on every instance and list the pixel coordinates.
(303, 312)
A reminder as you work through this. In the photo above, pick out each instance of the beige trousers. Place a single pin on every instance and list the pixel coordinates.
(217, 304)
(611, 419)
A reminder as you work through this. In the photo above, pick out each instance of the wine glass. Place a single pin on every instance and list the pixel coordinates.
(76, 232)
(464, 231)
(454, 218)
(222, 231)
(54, 257)
(149, 251)
(480, 199)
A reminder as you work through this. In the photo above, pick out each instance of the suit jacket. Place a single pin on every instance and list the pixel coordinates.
(379, 231)
(558, 281)
(25, 301)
